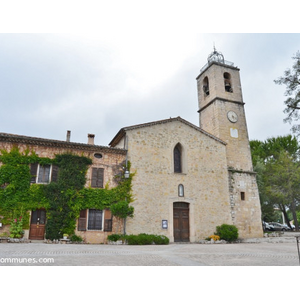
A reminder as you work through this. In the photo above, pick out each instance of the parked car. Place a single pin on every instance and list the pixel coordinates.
(279, 227)
(292, 226)
(267, 226)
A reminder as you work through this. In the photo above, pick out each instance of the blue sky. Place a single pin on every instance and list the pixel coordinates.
(124, 68)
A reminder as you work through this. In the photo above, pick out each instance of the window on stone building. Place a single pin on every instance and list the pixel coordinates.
(227, 82)
(178, 159)
(95, 219)
(97, 177)
(243, 196)
(43, 174)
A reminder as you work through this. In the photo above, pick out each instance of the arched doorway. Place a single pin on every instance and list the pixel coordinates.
(181, 222)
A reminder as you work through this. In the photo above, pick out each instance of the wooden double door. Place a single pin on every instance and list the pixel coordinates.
(37, 224)
(181, 222)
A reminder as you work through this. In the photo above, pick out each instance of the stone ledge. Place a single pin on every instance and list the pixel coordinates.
(254, 240)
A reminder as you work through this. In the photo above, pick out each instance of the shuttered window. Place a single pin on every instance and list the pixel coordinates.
(95, 219)
(41, 174)
(97, 177)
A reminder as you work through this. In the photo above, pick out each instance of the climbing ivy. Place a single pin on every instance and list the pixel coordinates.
(62, 199)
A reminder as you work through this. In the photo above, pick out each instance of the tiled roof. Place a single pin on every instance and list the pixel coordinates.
(123, 130)
(13, 138)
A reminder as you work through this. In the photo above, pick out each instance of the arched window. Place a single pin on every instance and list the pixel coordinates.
(206, 86)
(227, 82)
(177, 159)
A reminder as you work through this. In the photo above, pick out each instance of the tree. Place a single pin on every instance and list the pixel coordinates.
(282, 180)
(291, 80)
(276, 162)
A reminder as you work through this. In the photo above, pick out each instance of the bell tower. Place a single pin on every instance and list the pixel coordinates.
(221, 113)
(221, 108)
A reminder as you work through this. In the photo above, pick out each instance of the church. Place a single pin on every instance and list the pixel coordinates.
(188, 179)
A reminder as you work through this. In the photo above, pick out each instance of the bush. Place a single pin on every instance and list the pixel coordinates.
(227, 232)
(76, 238)
(134, 240)
(161, 240)
(114, 237)
(140, 239)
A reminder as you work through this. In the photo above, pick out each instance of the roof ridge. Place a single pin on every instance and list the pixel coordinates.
(37, 140)
(122, 131)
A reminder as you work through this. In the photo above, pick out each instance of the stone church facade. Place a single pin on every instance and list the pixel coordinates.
(188, 179)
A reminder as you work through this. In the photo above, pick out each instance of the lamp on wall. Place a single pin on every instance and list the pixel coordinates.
(126, 174)
(180, 190)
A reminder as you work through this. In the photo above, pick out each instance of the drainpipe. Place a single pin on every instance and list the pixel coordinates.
(126, 175)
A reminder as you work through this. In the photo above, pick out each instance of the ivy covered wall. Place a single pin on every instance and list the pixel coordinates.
(63, 199)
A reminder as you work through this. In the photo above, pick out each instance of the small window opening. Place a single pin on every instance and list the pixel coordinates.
(243, 196)
(227, 82)
(206, 86)
(177, 159)
(97, 155)
(180, 190)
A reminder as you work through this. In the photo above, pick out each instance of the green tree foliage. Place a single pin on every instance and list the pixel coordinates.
(282, 181)
(291, 80)
(276, 162)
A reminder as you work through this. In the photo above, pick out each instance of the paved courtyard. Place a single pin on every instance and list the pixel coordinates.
(241, 254)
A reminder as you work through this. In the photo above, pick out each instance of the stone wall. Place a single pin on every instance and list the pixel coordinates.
(155, 185)
(245, 208)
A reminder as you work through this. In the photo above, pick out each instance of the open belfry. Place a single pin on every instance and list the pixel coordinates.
(187, 180)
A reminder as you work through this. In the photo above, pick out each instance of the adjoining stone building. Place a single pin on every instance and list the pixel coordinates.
(188, 179)
(106, 163)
